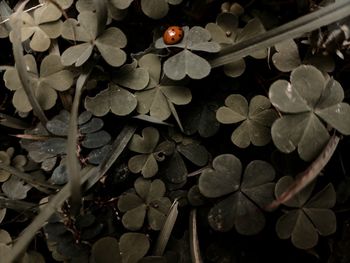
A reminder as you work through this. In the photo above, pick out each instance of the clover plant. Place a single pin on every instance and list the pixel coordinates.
(309, 101)
(256, 119)
(245, 194)
(146, 200)
(120, 142)
(51, 78)
(187, 63)
(308, 216)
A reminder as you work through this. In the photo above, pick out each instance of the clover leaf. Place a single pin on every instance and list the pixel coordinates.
(114, 12)
(132, 77)
(287, 58)
(109, 42)
(53, 77)
(7, 157)
(256, 119)
(226, 32)
(147, 199)
(44, 25)
(116, 99)
(186, 62)
(108, 249)
(308, 217)
(159, 97)
(244, 195)
(201, 118)
(308, 101)
(146, 145)
(175, 170)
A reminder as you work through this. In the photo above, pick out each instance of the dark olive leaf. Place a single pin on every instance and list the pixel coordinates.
(195, 197)
(196, 153)
(53, 77)
(145, 143)
(97, 156)
(310, 216)
(115, 99)
(157, 214)
(176, 171)
(155, 9)
(224, 178)
(144, 163)
(96, 140)
(15, 188)
(93, 125)
(109, 43)
(60, 175)
(106, 250)
(131, 77)
(235, 69)
(292, 131)
(57, 127)
(84, 117)
(5, 237)
(236, 110)
(186, 63)
(128, 242)
(287, 56)
(201, 118)
(134, 218)
(239, 211)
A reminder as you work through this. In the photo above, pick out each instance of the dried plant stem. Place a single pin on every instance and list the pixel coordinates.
(16, 24)
(194, 244)
(325, 16)
(73, 165)
(309, 174)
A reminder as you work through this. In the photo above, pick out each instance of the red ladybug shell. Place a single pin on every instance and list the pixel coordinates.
(173, 35)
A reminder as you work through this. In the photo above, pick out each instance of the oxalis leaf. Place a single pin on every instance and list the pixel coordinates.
(115, 99)
(108, 249)
(226, 32)
(245, 194)
(256, 119)
(307, 102)
(308, 217)
(53, 77)
(156, 98)
(186, 62)
(109, 42)
(147, 200)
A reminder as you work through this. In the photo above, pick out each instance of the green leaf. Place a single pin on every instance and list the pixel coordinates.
(106, 250)
(224, 178)
(128, 242)
(186, 63)
(77, 55)
(236, 110)
(311, 216)
(145, 143)
(287, 99)
(155, 9)
(304, 131)
(133, 219)
(144, 163)
(287, 56)
(109, 44)
(338, 116)
(131, 77)
(115, 99)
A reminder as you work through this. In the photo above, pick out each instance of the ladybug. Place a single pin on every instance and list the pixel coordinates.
(173, 35)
